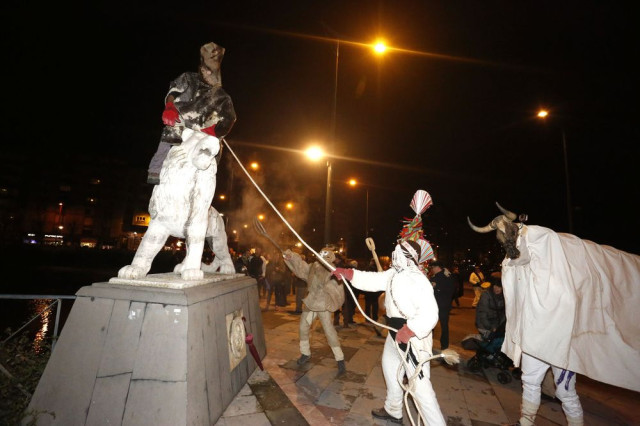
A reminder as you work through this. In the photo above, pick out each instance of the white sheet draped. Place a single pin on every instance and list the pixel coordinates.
(575, 305)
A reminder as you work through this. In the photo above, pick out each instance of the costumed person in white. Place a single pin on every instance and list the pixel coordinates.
(413, 311)
(571, 305)
(324, 296)
(533, 372)
(534, 369)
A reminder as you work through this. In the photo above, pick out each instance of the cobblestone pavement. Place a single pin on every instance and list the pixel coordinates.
(288, 394)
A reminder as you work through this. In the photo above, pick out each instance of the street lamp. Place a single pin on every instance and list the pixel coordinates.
(353, 183)
(543, 114)
(315, 153)
(379, 48)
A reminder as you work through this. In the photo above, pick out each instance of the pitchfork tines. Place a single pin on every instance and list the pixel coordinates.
(260, 229)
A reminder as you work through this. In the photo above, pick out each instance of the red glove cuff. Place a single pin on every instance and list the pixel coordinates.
(343, 272)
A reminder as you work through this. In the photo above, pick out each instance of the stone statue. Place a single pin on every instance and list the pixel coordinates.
(180, 206)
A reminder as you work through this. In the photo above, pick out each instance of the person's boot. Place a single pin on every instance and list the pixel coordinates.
(342, 369)
(528, 411)
(382, 414)
(303, 359)
(575, 421)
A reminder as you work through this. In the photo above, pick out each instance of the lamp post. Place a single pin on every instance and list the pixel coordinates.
(379, 48)
(543, 114)
(353, 183)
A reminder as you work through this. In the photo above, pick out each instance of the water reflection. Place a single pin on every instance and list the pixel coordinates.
(42, 307)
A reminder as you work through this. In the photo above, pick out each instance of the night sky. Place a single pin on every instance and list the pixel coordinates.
(449, 109)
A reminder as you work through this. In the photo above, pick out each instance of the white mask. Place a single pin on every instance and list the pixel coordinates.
(398, 261)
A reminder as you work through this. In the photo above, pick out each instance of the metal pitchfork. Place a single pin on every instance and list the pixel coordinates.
(260, 229)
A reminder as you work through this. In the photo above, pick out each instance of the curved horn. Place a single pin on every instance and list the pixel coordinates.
(510, 215)
(482, 230)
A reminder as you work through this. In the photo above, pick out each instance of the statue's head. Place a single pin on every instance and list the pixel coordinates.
(210, 59)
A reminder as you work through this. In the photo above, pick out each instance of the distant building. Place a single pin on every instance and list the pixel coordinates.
(98, 202)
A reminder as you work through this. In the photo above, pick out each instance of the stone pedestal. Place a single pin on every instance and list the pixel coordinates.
(133, 354)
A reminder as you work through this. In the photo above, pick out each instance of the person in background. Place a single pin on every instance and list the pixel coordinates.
(458, 291)
(476, 278)
(280, 284)
(371, 305)
(491, 317)
(275, 278)
(443, 288)
(301, 289)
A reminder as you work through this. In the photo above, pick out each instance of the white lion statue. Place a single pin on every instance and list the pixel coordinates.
(180, 206)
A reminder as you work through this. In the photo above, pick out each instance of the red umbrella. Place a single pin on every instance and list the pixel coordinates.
(254, 351)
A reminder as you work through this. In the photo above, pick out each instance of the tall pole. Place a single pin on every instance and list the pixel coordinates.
(327, 207)
(566, 178)
(366, 217)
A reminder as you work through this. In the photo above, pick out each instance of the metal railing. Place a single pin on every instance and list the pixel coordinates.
(57, 302)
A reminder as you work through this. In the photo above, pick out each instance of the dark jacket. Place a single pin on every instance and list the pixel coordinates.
(443, 290)
(255, 267)
(490, 313)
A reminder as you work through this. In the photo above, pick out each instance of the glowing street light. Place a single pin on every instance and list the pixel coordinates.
(543, 114)
(379, 47)
(352, 182)
(254, 165)
(314, 153)
(222, 196)
(289, 206)
(260, 217)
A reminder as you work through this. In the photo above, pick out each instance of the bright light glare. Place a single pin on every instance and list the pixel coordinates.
(314, 153)
(289, 206)
(353, 182)
(379, 47)
(260, 217)
(254, 166)
(543, 113)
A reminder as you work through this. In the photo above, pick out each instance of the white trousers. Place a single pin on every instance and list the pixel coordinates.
(533, 372)
(423, 393)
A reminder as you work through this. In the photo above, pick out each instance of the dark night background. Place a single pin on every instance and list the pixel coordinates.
(452, 111)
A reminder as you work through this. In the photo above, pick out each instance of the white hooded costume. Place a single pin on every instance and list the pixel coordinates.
(409, 296)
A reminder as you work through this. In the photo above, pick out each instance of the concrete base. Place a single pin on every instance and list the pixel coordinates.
(138, 355)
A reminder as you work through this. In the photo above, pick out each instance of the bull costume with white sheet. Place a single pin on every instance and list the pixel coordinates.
(412, 309)
(571, 304)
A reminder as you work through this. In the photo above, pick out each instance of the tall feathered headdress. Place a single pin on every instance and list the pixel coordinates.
(412, 228)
